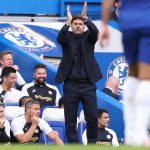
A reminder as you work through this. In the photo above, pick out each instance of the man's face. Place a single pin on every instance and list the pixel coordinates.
(40, 76)
(10, 81)
(34, 110)
(104, 120)
(7, 60)
(78, 26)
(2, 112)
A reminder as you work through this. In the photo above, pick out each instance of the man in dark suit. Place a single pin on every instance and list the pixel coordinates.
(79, 71)
(111, 87)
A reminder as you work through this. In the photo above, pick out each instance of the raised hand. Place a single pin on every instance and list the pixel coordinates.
(84, 10)
(35, 120)
(104, 35)
(69, 15)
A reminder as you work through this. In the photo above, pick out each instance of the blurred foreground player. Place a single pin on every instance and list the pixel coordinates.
(135, 26)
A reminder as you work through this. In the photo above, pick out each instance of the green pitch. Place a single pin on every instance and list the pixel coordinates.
(68, 147)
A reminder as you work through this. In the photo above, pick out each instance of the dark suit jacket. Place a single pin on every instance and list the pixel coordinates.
(66, 40)
(110, 93)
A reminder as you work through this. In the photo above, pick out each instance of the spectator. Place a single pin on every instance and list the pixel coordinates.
(111, 87)
(7, 91)
(79, 71)
(4, 127)
(105, 136)
(6, 59)
(30, 126)
(46, 94)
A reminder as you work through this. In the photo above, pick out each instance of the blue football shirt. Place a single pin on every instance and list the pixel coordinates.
(135, 14)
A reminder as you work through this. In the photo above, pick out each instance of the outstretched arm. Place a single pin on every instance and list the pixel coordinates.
(90, 25)
(69, 16)
(84, 10)
(54, 136)
(104, 34)
(62, 35)
(93, 31)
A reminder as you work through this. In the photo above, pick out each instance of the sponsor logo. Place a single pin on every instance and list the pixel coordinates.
(36, 131)
(33, 91)
(50, 92)
(119, 68)
(108, 136)
(27, 39)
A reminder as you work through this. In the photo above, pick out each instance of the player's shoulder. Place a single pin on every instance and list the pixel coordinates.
(20, 119)
(28, 85)
(52, 86)
(110, 131)
(7, 124)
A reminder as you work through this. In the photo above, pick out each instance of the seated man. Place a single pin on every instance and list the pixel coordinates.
(28, 127)
(4, 127)
(111, 87)
(7, 91)
(46, 94)
(6, 59)
(105, 135)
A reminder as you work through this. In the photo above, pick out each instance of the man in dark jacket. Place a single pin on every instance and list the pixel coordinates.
(79, 71)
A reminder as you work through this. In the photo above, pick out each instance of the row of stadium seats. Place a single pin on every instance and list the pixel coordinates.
(45, 7)
(54, 117)
(76, 6)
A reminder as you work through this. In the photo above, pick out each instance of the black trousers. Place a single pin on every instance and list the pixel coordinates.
(74, 92)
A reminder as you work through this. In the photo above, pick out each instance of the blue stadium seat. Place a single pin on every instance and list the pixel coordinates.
(12, 112)
(44, 107)
(11, 104)
(55, 118)
(29, 7)
(53, 114)
(58, 126)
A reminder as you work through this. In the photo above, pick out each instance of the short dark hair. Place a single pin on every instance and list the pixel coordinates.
(3, 53)
(23, 100)
(101, 111)
(39, 66)
(6, 71)
(30, 103)
(78, 16)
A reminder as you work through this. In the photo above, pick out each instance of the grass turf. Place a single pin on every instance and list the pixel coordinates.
(67, 147)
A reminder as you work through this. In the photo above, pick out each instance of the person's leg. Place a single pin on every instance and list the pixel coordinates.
(130, 89)
(131, 84)
(141, 96)
(89, 102)
(71, 102)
